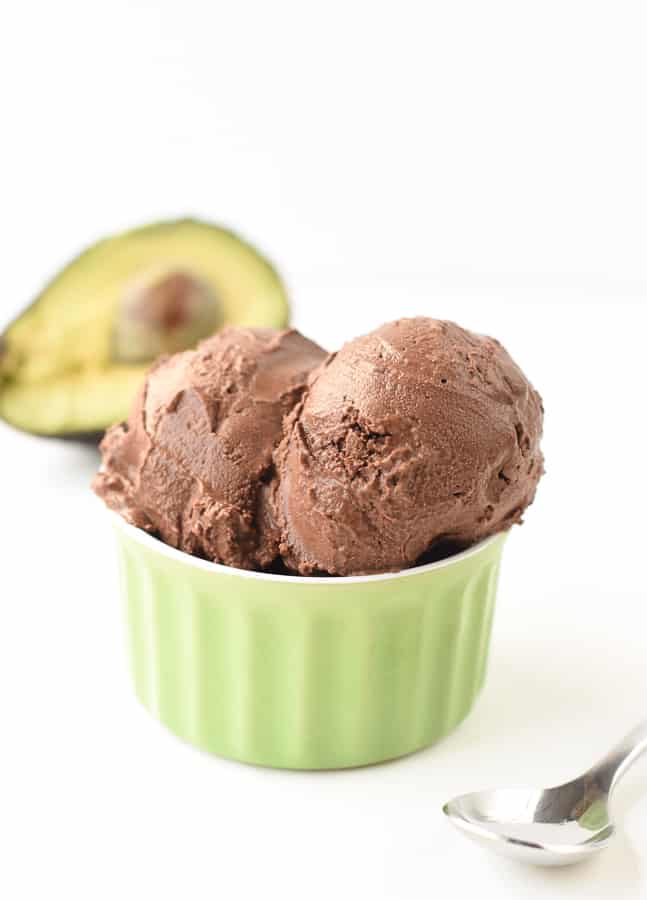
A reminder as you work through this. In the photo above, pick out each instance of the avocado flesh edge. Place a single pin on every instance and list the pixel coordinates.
(63, 342)
(76, 403)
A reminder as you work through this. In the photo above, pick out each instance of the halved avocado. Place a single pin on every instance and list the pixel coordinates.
(72, 362)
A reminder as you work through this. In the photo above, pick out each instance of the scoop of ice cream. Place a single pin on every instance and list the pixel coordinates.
(194, 460)
(418, 433)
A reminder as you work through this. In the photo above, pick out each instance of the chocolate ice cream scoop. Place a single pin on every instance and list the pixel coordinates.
(418, 433)
(194, 460)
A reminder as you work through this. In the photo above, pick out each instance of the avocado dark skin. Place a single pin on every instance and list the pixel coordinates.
(71, 363)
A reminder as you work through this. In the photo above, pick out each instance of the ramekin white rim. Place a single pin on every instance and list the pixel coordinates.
(180, 556)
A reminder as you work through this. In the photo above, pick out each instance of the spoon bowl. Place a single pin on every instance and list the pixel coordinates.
(532, 825)
(555, 826)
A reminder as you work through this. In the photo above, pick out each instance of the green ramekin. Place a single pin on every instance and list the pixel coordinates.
(306, 673)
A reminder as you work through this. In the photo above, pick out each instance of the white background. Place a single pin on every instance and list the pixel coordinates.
(479, 161)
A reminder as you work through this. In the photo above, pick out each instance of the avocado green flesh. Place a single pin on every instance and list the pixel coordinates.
(74, 403)
(57, 372)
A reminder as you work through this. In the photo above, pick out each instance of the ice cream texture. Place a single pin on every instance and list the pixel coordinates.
(417, 433)
(257, 449)
(193, 464)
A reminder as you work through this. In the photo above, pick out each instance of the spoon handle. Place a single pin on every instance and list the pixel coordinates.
(618, 761)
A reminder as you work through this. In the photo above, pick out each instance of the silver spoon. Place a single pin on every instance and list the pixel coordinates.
(553, 827)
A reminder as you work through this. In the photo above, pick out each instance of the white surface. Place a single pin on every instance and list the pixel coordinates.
(483, 162)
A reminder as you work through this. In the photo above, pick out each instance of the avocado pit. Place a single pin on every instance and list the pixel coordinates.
(164, 312)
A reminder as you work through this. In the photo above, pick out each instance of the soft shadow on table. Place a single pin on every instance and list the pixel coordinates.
(616, 872)
(54, 462)
(71, 464)
(530, 692)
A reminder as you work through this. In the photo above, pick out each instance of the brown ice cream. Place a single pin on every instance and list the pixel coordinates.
(416, 438)
(194, 461)
(417, 433)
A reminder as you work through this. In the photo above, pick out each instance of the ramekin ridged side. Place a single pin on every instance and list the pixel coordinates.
(306, 673)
